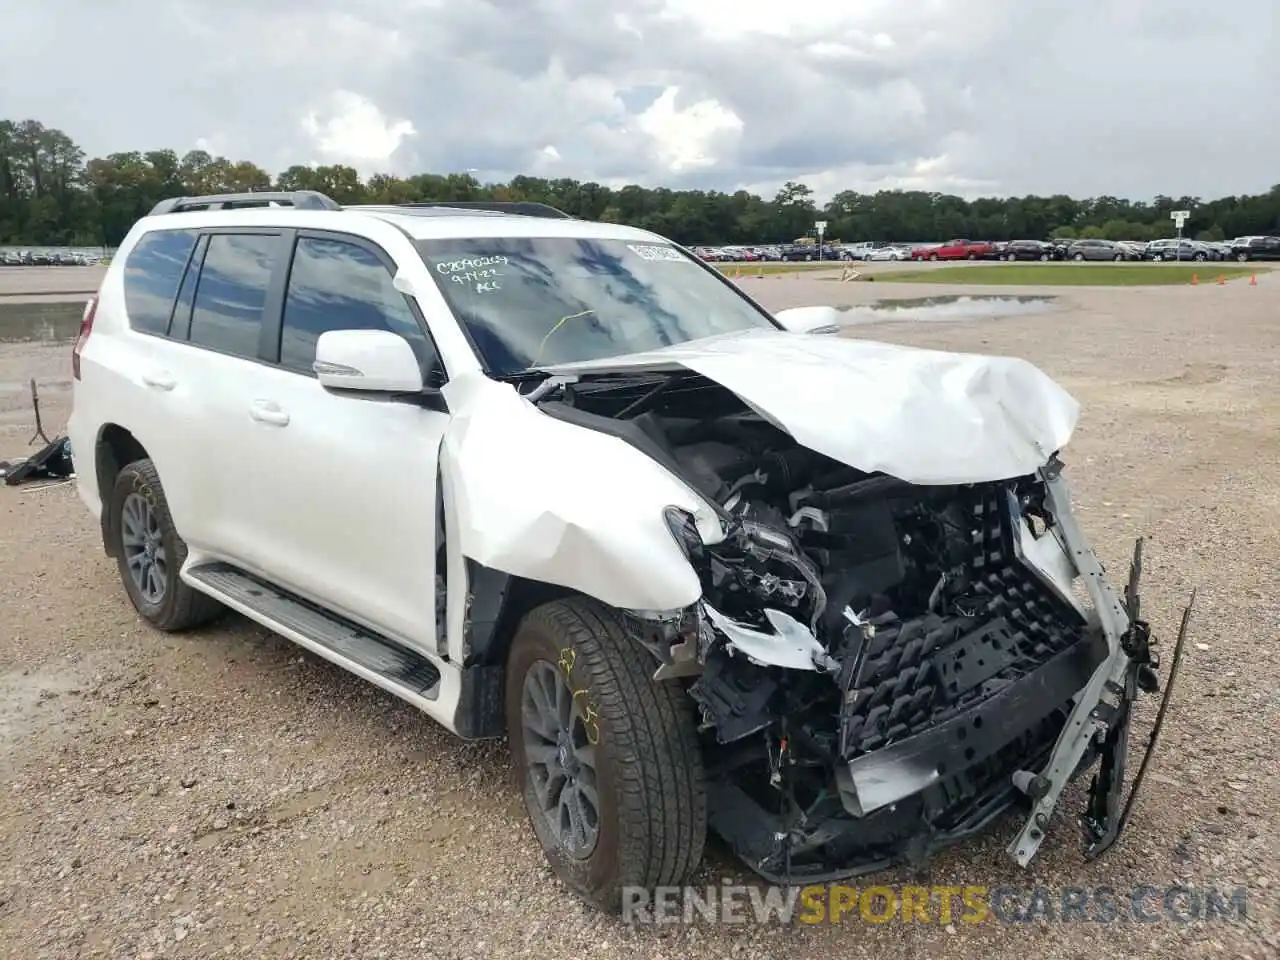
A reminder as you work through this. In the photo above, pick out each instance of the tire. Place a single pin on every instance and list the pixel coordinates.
(1078, 257)
(652, 806)
(1200, 258)
(138, 506)
(1242, 257)
(972, 256)
(1011, 257)
(933, 256)
(1118, 257)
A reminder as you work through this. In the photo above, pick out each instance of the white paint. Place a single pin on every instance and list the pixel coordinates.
(925, 416)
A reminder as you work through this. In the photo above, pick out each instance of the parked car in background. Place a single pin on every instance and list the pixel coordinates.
(1132, 249)
(1028, 250)
(1094, 250)
(1060, 247)
(811, 251)
(887, 253)
(955, 250)
(1174, 249)
(1254, 248)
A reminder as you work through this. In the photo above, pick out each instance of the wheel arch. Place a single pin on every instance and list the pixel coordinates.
(496, 604)
(114, 449)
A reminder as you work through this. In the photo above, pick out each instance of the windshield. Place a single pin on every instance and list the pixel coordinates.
(537, 301)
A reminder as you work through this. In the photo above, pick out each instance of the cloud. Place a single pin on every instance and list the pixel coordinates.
(351, 129)
(1091, 97)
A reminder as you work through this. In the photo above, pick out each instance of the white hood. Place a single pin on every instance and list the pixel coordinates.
(924, 416)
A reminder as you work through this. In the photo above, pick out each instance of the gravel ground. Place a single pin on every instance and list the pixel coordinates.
(223, 794)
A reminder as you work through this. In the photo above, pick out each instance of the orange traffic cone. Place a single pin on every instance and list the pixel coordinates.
(1253, 280)
(1194, 279)
(1222, 280)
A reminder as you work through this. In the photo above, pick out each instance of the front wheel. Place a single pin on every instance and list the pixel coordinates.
(606, 758)
(1078, 257)
(1011, 257)
(933, 256)
(1242, 258)
(1200, 258)
(149, 552)
(1044, 257)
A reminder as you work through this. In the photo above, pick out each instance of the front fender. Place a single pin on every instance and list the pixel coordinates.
(547, 500)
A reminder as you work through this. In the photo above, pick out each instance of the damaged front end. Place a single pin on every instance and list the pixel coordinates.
(883, 668)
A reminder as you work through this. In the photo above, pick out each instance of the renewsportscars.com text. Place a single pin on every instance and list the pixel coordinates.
(969, 904)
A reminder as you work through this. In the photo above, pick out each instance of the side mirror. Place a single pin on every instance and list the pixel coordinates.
(372, 360)
(809, 319)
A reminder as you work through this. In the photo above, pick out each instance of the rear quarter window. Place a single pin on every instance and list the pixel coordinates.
(152, 274)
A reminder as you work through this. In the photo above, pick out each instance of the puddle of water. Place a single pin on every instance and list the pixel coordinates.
(948, 307)
(37, 322)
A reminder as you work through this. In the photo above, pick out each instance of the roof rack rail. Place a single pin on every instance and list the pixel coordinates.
(523, 208)
(301, 199)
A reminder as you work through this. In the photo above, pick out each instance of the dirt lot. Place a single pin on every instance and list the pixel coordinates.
(223, 794)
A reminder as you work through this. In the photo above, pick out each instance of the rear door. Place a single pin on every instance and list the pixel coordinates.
(214, 334)
(134, 373)
(334, 495)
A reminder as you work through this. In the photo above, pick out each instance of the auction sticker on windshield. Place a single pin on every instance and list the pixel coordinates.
(657, 253)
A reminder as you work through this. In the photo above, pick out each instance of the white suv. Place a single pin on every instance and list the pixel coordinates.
(560, 481)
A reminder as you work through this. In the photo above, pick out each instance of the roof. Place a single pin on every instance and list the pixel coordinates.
(308, 209)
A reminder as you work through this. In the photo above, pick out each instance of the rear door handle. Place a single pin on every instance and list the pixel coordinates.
(267, 411)
(160, 381)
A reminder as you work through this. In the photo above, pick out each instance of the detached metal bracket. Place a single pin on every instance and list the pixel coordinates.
(1104, 698)
(1104, 817)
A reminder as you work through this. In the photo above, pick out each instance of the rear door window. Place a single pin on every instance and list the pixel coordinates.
(232, 291)
(152, 274)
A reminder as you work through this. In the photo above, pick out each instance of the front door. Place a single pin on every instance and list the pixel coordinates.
(335, 495)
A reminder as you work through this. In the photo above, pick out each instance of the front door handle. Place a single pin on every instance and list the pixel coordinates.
(160, 380)
(267, 411)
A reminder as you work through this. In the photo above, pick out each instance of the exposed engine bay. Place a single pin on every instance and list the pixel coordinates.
(880, 668)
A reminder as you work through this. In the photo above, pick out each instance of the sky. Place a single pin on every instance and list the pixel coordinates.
(1127, 98)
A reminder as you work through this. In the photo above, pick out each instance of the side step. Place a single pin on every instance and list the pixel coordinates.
(395, 668)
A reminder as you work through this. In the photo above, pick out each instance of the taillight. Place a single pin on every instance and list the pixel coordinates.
(86, 327)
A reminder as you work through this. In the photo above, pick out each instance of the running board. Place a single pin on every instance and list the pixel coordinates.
(395, 668)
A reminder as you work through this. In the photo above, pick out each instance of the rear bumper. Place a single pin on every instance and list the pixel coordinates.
(83, 455)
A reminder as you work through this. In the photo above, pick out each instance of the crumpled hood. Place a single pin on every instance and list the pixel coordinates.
(924, 416)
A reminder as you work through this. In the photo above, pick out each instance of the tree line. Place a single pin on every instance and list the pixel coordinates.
(52, 195)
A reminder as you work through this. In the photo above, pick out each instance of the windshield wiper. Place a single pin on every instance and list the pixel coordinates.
(542, 381)
(521, 376)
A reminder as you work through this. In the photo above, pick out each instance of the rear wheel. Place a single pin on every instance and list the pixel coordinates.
(1011, 257)
(1242, 257)
(607, 759)
(149, 552)
(1078, 256)
(933, 256)
(1044, 257)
